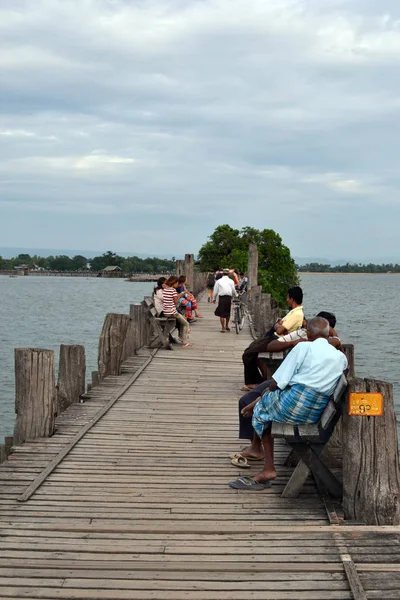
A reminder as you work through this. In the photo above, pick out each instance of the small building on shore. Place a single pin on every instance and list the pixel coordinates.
(112, 271)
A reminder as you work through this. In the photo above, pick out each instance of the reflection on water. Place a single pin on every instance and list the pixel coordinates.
(45, 312)
(48, 311)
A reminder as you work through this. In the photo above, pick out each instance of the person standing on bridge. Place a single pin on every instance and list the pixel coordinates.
(224, 289)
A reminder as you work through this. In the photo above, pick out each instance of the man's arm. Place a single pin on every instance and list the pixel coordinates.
(215, 291)
(290, 365)
(280, 329)
(277, 346)
(247, 411)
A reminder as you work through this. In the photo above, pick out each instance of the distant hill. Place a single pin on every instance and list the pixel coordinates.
(6, 252)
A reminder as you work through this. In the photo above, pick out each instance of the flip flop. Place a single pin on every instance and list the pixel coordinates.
(248, 458)
(240, 461)
(248, 483)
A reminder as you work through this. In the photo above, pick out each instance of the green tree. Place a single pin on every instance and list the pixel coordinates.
(60, 263)
(228, 247)
(79, 262)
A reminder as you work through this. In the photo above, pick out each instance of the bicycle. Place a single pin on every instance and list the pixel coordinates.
(239, 311)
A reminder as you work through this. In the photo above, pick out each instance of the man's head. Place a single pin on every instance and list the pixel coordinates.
(317, 328)
(330, 317)
(225, 271)
(295, 296)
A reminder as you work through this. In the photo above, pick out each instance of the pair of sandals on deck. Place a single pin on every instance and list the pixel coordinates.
(246, 483)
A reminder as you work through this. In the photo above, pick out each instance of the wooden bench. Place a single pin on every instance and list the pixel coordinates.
(308, 441)
(161, 331)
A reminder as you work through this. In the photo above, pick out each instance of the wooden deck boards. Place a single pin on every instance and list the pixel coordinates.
(140, 507)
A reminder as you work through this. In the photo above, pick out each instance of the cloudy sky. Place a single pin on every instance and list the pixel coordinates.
(141, 125)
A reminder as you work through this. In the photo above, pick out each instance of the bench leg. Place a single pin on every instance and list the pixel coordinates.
(296, 481)
(161, 338)
(321, 471)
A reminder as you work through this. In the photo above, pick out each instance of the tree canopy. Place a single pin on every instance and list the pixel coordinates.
(131, 264)
(228, 247)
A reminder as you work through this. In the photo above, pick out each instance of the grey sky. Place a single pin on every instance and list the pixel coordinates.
(142, 125)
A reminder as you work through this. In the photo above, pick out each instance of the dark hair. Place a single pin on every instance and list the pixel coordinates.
(160, 281)
(182, 278)
(330, 317)
(171, 281)
(218, 276)
(296, 293)
(241, 274)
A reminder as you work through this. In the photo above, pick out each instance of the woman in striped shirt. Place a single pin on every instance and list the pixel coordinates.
(170, 301)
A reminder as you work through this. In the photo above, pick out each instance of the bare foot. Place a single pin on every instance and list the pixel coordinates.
(250, 453)
(265, 476)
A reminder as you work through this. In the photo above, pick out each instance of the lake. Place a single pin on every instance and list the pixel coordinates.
(47, 311)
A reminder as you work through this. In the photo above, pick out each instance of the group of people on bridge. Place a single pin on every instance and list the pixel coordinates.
(296, 393)
(172, 299)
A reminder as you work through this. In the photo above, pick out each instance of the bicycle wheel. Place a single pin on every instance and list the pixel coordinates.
(237, 319)
(242, 315)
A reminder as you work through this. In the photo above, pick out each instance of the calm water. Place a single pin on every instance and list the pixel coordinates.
(48, 311)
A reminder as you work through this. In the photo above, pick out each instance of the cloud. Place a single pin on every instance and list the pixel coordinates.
(183, 115)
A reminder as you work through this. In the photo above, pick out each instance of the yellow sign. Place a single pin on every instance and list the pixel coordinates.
(366, 404)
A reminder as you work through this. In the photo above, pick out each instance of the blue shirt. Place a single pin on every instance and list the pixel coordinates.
(316, 364)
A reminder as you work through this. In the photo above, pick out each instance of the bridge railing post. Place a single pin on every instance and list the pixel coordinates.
(189, 270)
(371, 475)
(35, 394)
(111, 344)
(71, 375)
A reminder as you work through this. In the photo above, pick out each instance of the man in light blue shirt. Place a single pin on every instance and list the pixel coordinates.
(298, 393)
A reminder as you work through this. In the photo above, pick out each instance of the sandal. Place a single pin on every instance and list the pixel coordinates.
(239, 461)
(248, 458)
(187, 345)
(248, 483)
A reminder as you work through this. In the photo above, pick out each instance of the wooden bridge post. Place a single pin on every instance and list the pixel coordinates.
(139, 314)
(189, 269)
(71, 375)
(371, 476)
(111, 344)
(252, 267)
(35, 394)
(180, 268)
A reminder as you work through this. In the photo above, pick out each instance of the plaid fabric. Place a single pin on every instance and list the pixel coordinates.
(295, 404)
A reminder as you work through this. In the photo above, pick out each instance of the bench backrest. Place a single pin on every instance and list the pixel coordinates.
(333, 409)
(148, 301)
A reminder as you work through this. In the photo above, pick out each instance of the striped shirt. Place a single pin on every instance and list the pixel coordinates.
(168, 301)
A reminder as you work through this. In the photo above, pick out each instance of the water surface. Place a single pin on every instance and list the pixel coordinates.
(47, 311)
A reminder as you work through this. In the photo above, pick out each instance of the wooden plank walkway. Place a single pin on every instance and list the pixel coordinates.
(140, 508)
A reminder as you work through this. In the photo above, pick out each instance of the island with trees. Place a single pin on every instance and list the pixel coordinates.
(316, 267)
(228, 247)
(131, 264)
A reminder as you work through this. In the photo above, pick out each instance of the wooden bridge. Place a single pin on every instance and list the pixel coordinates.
(137, 506)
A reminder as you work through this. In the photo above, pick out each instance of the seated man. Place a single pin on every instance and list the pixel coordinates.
(292, 321)
(298, 393)
(286, 342)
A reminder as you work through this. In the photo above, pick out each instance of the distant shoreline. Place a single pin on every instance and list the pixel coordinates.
(341, 273)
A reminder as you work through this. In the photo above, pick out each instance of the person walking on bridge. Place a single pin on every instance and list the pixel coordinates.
(224, 289)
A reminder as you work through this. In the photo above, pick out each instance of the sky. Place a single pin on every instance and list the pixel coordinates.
(141, 125)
